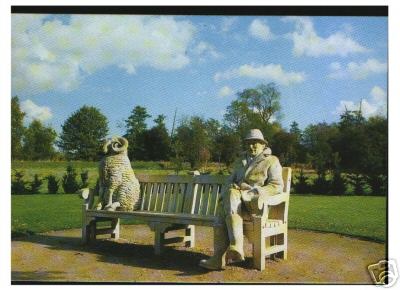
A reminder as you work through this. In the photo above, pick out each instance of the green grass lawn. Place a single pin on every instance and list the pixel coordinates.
(361, 216)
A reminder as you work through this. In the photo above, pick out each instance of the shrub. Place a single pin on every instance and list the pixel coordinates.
(321, 185)
(177, 163)
(69, 183)
(378, 184)
(358, 183)
(338, 184)
(35, 185)
(85, 178)
(18, 185)
(301, 186)
(52, 184)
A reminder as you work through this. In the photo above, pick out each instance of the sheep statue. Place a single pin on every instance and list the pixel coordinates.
(119, 189)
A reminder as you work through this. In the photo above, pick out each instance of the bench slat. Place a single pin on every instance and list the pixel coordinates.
(205, 199)
(149, 194)
(174, 195)
(198, 196)
(143, 178)
(146, 216)
(180, 198)
(143, 189)
(171, 197)
(164, 203)
(213, 199)
(204, 179)
(155, 196)
(187, 201)
(220, 192)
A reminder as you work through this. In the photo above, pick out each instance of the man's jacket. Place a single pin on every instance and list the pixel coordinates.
(263, 173)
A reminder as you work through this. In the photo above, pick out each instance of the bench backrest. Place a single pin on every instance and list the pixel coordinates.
(188, 194)
(165, 193)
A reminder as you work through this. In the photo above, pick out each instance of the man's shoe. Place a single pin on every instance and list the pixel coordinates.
(235, 254)
(214, 263)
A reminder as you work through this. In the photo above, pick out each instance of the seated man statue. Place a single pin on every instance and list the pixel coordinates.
(256, 175)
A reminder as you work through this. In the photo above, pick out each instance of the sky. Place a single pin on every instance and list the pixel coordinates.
(196, 64)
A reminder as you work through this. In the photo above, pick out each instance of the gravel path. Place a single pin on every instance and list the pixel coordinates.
(312, 258)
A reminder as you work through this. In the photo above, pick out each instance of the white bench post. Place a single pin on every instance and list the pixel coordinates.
(115, 226)
(190, 236)
(258, 245)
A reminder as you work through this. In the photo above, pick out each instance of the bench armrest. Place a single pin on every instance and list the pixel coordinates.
(87, 195)
(277, 199)
(272, 201)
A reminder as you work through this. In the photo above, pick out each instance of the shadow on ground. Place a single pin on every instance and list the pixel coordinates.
(119, 252)
(312, 258)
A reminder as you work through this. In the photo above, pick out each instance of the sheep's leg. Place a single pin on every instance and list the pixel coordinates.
(109, 205)
(99, 205)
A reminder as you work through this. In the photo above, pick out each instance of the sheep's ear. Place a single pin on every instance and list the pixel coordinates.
(105, 146)
(120, 145)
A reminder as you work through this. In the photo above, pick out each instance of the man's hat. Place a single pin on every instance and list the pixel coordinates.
(255, 134)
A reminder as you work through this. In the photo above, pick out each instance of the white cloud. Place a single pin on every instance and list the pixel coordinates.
(362, 70)
(205, 49)
(373, 106)
(307, 42)
(357, 71)
(227, 23)
(55, 55)
(378, 94)
(35, 112)
(225, 91)
(269, 72)
(258, 29)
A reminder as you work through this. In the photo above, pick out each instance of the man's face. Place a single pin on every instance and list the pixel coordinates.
(254, 147)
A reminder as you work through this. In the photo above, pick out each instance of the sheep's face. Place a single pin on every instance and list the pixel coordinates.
(115, 145)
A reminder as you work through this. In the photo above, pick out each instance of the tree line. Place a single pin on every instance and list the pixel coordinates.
(354, 146)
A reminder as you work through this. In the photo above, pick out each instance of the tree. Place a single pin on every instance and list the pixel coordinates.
(299, 149)
(39, 141)
(376, 164)
(237, 117)
(135, 128)
(227, 146)
(82, 134)
(255, 108)
(318, 140)
(285, 147)
(295, 130)
(157, 141)
(264, 101)
(352, 141)
(194, 141)
(17, 128)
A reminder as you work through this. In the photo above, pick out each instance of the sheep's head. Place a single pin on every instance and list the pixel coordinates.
(115, 145)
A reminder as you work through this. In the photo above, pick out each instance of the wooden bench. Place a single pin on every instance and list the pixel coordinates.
(172, 203)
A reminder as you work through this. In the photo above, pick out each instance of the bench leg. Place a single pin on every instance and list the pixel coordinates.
(159, 237)
(190, 236)
(281, 239)
(258, 246)
(92, 231)
(85, 233)
(85, 225)
(115, 227)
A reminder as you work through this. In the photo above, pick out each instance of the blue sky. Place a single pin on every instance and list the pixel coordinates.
(196, 64)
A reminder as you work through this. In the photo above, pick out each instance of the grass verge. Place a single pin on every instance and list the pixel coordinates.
(359, 216)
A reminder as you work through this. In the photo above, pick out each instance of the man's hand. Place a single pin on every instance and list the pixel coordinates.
(248, 195)
(245, 186)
